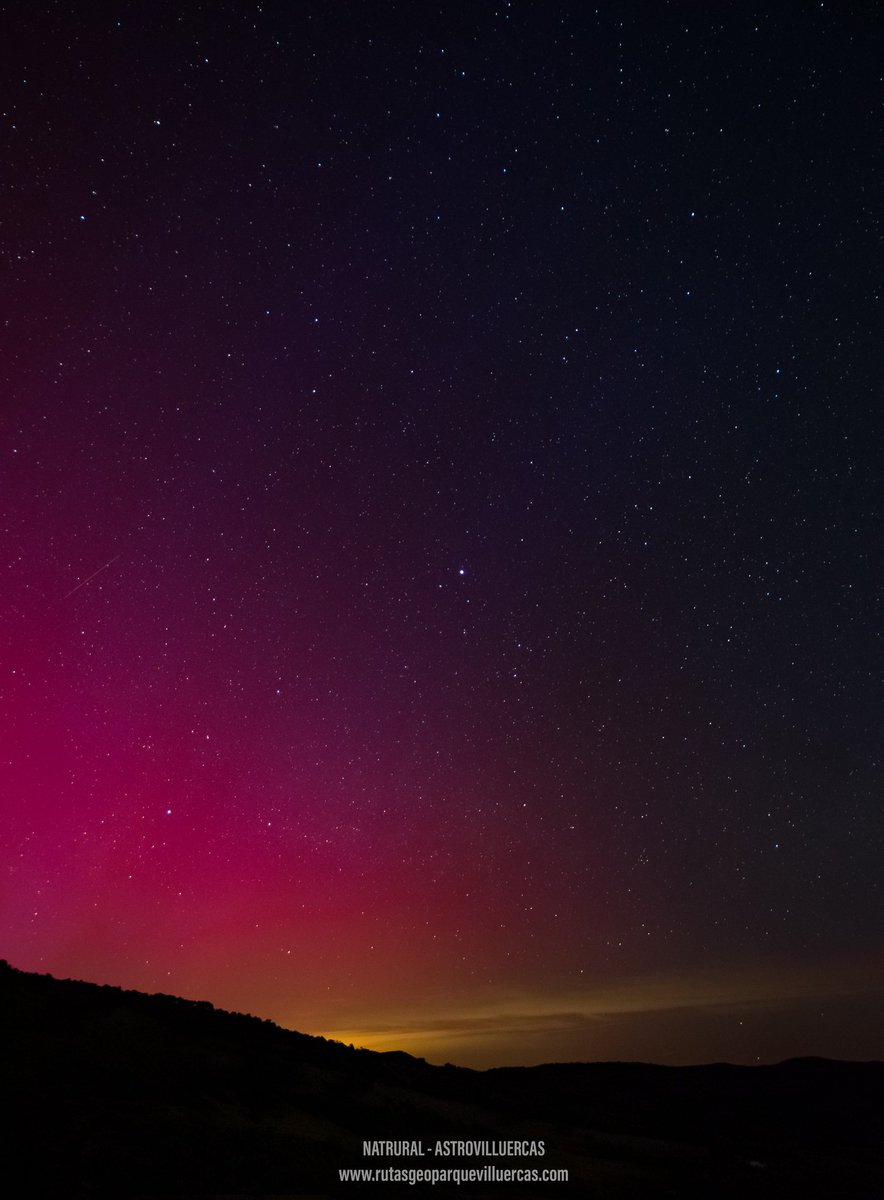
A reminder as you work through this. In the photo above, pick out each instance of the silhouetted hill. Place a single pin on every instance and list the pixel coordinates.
(117, 1093)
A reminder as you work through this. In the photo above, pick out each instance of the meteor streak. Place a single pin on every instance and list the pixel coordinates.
(83, 582)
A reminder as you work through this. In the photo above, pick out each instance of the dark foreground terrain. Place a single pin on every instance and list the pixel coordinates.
(117, 1093)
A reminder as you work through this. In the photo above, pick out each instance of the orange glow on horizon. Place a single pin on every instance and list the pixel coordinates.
(758, 1012)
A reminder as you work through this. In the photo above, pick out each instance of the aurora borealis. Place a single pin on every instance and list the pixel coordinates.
(440, 509)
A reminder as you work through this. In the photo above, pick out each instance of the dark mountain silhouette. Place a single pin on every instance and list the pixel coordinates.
(121, 1094)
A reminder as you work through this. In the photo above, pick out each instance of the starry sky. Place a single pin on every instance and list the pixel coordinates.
(440, 507)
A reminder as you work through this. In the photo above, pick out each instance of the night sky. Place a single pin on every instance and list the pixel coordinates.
(441, 459)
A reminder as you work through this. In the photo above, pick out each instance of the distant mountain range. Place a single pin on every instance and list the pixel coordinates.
(120, 1094)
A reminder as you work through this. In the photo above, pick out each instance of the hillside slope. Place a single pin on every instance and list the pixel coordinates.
(117, 1093)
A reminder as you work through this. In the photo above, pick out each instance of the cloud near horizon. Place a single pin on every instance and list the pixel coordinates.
(703, 1016)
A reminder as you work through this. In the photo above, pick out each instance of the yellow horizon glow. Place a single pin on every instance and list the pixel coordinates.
(713, 1005)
